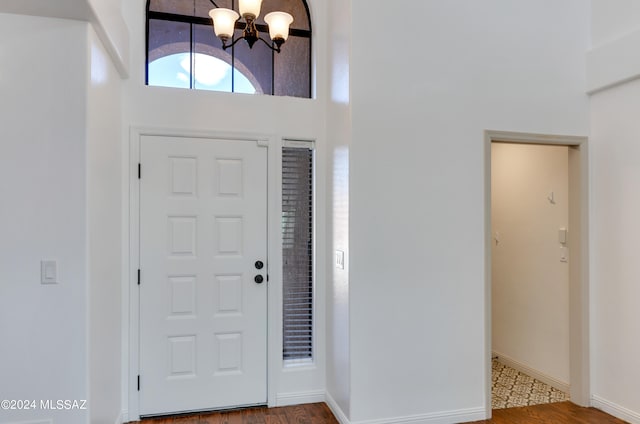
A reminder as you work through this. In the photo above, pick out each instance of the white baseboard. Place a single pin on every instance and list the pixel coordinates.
(124, 416)
(519, 366)
(119, 419)
(335, 408)
(299, 398)
(446, 417)
(615, 410)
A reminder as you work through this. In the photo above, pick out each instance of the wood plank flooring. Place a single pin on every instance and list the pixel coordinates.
(314, 413)
(551, 413)
(319, 413)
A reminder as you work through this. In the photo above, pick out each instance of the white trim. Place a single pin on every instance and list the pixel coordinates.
(274, 256)
(335, 408)
(445, 417)
(124, 416)
(531, 372)
(193, 133)
(527, 138)
(287, 399)
(298, 376)
(295, 365)
(488, 337)
(274, 270)
(298, 143)
(579, 265)
(615, 410)
(131, 306)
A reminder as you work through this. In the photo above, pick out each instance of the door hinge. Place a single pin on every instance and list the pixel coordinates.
(138, 277)
(138, 383)
(139, 170)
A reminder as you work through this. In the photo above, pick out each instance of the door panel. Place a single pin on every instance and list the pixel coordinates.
(203, 318)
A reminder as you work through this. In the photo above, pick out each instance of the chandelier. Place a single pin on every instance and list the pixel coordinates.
(224, 23)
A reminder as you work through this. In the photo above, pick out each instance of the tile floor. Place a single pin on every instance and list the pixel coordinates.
(511, 388)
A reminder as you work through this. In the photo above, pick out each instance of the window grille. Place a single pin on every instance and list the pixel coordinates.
(183, 52)
(297, 252)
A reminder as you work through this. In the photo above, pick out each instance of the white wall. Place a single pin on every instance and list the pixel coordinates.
(104, 197)
(42, 120)
(530, 293)
(109, 25)
(337, 207)
(104, 15)
(420, 103)
(611, 20)
(193, 110)
(615, 32)
(615, 178)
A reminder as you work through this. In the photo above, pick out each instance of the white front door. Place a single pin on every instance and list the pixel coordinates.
(203, 310)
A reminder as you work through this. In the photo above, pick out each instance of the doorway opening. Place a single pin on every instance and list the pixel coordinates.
(530, 275)
(562, 244)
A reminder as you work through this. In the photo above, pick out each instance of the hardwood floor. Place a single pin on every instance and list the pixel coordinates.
(551, 413)
(314, 413)
(319, 413)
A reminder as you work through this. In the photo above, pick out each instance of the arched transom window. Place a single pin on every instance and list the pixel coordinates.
(183, 51)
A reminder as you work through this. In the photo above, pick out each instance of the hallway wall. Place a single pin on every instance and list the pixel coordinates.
(420, 105)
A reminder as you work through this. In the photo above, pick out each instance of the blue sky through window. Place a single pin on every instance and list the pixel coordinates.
(210, 73)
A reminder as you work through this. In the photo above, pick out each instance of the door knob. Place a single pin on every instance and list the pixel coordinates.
(259, 265)
(258, 279)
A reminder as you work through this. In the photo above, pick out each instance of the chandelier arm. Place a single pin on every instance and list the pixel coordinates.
(225, 46)
(275, 49)
(214, 3)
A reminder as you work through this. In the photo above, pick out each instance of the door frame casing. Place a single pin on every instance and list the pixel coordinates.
(131, 294)
(579, 348)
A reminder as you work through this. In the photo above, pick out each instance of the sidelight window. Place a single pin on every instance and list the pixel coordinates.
(297, 250)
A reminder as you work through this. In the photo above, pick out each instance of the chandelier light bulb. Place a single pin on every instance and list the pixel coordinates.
(224, 25)
(250, 8)
(224, 21)
(278, 25)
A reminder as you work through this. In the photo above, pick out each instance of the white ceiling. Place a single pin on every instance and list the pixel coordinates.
(69, 9)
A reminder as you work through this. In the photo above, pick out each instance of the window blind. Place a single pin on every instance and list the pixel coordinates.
(297, 252)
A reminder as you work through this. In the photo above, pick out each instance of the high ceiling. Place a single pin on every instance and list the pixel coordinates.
(68, 9)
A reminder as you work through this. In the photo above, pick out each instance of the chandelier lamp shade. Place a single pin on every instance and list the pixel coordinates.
(224, 24)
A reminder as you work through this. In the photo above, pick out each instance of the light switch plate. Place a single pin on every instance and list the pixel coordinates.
(562, 235)
(563, 254)
(49, 272)
(339, 259)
